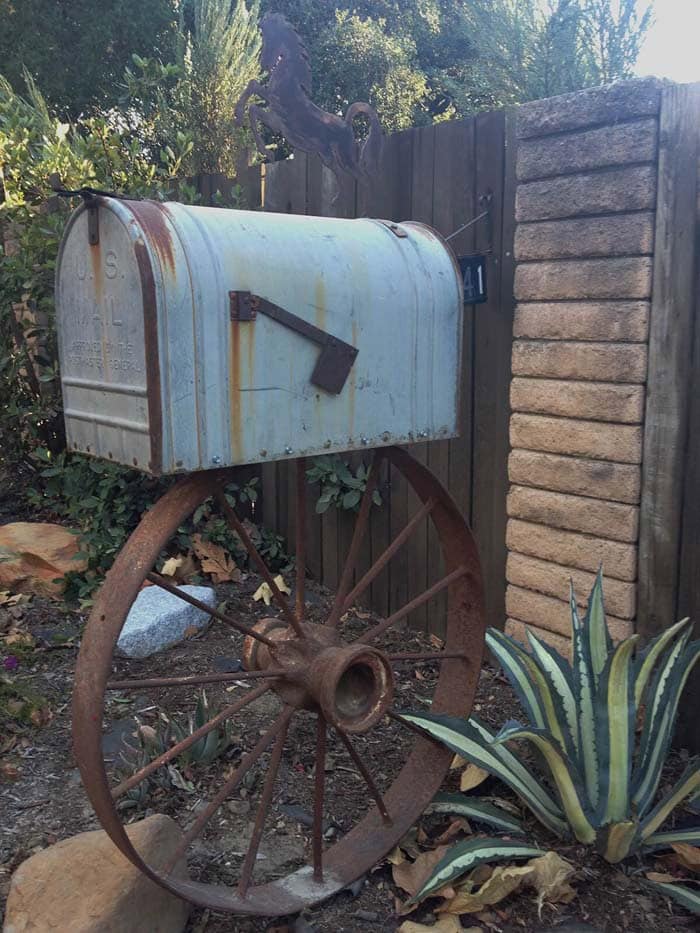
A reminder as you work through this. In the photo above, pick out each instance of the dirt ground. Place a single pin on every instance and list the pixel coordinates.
(43, 800)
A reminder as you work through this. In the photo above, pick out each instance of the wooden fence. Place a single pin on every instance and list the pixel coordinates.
(669, 544)
(443, 175)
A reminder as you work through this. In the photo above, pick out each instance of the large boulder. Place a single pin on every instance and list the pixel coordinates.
(33, 555)
(158, 620)
(85, 885)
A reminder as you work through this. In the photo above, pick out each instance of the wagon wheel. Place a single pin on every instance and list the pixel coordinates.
(313, 669)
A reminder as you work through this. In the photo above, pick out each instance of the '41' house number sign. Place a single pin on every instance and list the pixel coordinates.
(473, 269)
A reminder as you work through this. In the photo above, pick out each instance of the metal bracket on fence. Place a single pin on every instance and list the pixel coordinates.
(485, 199)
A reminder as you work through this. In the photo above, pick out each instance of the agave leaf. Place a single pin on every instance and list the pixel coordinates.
(648, 772)
(584, 687)
(689, 835)
(617, 840)
(521, 671)
(476, 809)
(565, 775)
(595, 630)
(615, 719)
(659, 700)
(560, 678)
(680, 893)
(651, 655)
(464, 856)
(473, 741)
(687, 784)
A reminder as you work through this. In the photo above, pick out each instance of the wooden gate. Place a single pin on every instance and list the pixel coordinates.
(443, 175)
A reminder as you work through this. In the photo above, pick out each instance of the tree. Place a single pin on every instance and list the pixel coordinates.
(423, 60)
(76, 50)
(217, 51)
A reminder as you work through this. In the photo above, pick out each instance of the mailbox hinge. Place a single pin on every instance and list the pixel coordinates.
(93, 219)
(336, 357)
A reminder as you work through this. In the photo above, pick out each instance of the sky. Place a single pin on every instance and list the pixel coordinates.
(672, 47)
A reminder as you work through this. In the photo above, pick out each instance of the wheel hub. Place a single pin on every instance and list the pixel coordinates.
(352, 685)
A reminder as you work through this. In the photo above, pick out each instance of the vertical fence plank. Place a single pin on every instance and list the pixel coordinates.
(284, 191)
(453, 200)
(669, 370)
(398, 570)
(493, 328)
(380, 196)
(421, 210)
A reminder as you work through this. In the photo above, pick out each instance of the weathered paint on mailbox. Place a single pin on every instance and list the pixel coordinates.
(156, 374)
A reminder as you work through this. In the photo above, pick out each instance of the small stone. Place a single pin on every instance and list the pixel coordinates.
(228, 665)
(367, 916)
(85, 885)
(159, 620)
(239, 807)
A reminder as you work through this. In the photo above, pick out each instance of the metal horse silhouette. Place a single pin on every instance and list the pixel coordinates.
(292, 114)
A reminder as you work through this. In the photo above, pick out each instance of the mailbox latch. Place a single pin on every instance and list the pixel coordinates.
(336, 357)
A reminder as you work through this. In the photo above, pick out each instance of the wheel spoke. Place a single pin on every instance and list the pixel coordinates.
(193, 680)
(182, 746)
(263, 809)
(164, 584)
(369, 781)
(277, 594)
(300, 548)
(427, 656)
(384, 558)
(319, 787)
(413, 604)
(228, 788)
(395, 715)
(358, 536)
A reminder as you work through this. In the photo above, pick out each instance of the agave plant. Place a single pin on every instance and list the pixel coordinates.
(601, 786)
(153, 742)
(211, 746)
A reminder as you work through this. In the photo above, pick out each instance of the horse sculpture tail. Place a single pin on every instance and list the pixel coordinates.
(371, 149)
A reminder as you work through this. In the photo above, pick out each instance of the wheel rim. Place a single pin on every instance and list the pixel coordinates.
(425, 768)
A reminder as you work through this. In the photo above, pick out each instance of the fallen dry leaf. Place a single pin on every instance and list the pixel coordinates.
(660, 876)
(181, 567)
(457, 826)
(8, 771)
(448, 924)
(471, 777)
(265, 593)
(13, 599)
(548, 874)
(216, 561)
(18, 638)
(688, 856)
(409, 876)
(458, 762)
(396, 856)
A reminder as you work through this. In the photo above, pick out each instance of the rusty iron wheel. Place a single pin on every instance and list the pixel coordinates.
(347, 686)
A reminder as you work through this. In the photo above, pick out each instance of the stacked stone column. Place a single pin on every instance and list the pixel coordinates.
(585, 203)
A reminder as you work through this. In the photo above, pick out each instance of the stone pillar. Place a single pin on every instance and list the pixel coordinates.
(585, 212)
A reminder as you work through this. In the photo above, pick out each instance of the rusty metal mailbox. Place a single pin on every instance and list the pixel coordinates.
(195, 337)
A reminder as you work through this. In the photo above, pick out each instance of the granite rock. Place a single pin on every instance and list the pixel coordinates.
(158, 620)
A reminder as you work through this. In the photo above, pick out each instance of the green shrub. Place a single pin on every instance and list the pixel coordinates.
(598, 784)
(104, 502)
(340, 487)
(104, 152)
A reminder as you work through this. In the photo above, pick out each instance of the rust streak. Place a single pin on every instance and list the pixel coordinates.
(151, 216)
(235, 387)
